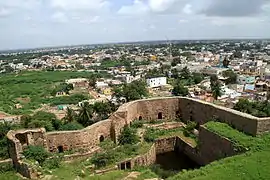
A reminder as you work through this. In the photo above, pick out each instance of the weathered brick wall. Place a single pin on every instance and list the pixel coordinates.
(263, 125)
(146, 110)
(85, 139)
(165, 145)
(202, 112)
(150, 109)
(146, 159)
(211, 147)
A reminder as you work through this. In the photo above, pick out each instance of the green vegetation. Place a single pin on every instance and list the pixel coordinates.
(215, 87)
(133, 91)
(256, 108)
(180, 90)
(9, 175)
(118, 154)
(231, 75)
(128, 136)
(188, 130)
(4, 128)
(36, 153)
(239, 139)
(250, 165)
(41, 119)
(63, 87)
(152, 134)
(72, 99)
(31, 89)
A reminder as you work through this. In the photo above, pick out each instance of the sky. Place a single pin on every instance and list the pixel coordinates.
(41, 23)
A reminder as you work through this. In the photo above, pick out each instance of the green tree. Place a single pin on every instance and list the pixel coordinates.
(92, 81)
(103, 109)
(215, 87)
(85, 115)
(180, 90)
(41, 119)
(185, 73)
(226, 62)
(231, 75)
(70, 116)
(128, 136)
(197, 78)
(133, 91)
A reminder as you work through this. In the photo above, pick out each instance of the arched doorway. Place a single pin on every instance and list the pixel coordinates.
(140, 118)
(101, 138)
(160, 115)
(60, 149)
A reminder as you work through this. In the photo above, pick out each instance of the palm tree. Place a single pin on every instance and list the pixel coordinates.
(86, 115)
(70, 116)
(216, 91)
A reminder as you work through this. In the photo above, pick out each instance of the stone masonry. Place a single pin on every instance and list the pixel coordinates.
(89, 138)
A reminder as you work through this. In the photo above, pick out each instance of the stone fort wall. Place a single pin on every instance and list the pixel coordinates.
(149, 109)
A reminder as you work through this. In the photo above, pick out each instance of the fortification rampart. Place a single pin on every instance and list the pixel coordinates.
(150, 109)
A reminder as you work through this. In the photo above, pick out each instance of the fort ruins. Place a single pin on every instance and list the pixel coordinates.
(86, 141)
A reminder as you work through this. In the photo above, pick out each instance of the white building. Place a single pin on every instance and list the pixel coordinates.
(156, 82)
(101, 84)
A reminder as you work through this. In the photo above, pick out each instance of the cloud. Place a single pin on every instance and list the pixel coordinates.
(137, 8)
(80, 4)
(91, 20)
(153, 7)
(59, 17)
(161, 5)
(232, 8)
(4, 12)
(20, 4)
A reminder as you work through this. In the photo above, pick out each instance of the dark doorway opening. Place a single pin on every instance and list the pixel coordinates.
(123, 166)
(60, 149)
(140, 118)
(170, 163)
(128, 165)
(160, 115)
(101, 138)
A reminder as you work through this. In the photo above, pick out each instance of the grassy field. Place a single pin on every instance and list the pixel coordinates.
(253, 164)
(35, 86)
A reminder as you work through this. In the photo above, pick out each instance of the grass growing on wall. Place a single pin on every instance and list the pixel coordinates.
(153, 134)
(238, 138)
(253, 164)
(246, 166)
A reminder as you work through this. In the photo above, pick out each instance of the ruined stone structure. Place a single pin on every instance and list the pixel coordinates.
(87, 140)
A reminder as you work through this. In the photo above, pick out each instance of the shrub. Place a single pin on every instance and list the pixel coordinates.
(161, 172)
(150, 135)
(128, 136)
(102, 159)
(6, 167)
(137, 124)
(188, 130)
(37, 153)
(53, 162)
(71, 126)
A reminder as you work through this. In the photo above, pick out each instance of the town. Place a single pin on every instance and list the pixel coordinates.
(58, 90)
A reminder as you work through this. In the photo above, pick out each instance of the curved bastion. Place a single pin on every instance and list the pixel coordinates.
(87, 140)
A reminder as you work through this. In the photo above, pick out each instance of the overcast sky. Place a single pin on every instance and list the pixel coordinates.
(38, 23)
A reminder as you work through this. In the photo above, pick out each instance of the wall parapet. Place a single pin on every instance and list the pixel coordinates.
(167, 108)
